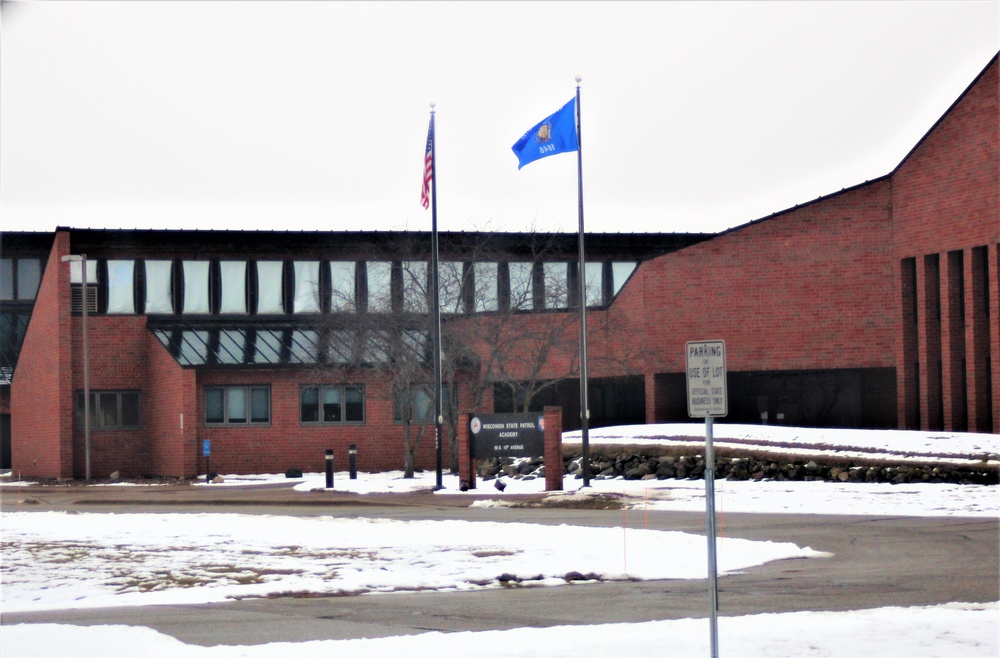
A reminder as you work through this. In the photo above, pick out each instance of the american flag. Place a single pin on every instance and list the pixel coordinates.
(425, 192)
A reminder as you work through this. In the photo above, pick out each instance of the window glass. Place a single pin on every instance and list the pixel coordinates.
(306, 299)
(620, 272)
(556, 285)
(331, 404)
(233, 276)
(236, 405)
(521, 288)
(305, 347)
(260, 404)
(268, 346)
(7, 278)
(231, 346)
(450, 287)
(193, 347)
(29, 274)
(76, 271)
(594, 283)
(195, 286)
(107, 410)
(121, 289)
(379, 287)
(354, 404)
(309, 405)
(415, 286)
(130, 409)
(214, 405)
(341, 347)
(269, 286)
(376, 347)
(486, 287)
(158, 298)
(342, 286)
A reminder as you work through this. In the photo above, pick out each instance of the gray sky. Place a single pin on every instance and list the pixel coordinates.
(696, 116)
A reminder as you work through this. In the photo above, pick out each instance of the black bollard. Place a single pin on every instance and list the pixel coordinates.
(352, 453)
(329, 469)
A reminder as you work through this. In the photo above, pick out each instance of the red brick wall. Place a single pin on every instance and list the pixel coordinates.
(946, 203)
(41, 394)
(287, 443)
(810, 288)
(170, 414)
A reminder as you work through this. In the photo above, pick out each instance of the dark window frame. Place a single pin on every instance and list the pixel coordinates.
(96, 406)
(321, 415)
(248, 391)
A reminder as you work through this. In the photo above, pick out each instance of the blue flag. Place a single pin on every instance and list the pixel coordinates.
(554, 134)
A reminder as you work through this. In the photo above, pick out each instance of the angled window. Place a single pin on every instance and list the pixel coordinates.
(121, 285)
(306, 298)
(269, 297)
(76, 284)
(193, 348)
(268, 346)
(195, 286)
(233, 280)
(232, 344)
(342, 275)
(305, 346)
(620, 272)
(158, 288)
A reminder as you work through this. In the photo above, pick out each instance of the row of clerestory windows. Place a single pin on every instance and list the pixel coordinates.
(274, 287)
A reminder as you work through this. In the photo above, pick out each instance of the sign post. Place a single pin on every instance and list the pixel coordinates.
(206, 451)
(707, 398)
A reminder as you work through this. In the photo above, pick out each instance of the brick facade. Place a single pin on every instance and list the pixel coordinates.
(883, 297)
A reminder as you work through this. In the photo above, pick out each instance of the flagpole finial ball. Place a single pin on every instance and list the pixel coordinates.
(578, 79)
(433, 105)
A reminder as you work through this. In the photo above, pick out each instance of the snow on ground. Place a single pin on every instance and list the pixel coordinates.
(58, 560)
(948, 631)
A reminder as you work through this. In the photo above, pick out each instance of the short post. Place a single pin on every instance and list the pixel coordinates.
(329, 469)
(352, 454)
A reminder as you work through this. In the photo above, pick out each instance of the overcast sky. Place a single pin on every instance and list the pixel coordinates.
(696, 116)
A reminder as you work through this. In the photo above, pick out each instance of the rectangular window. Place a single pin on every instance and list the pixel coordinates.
(121, 285)
(233, 277)
(158, 296)
(415, 286)
(6, 278)
(195, 286)
(110, 410)
(556, 285)
(379, 287)
(417, 404)
(521, 288)
(306, 299)
(29, 275)
(450, 286)
(342, 275)
(269, 298)
(486, 287)
(594, 283)
(237, 405)
(335, 403)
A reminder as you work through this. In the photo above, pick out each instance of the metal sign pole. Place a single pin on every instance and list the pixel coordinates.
(713, 584)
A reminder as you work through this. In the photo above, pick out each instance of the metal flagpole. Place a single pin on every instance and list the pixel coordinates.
(584, 405)
(436, 311)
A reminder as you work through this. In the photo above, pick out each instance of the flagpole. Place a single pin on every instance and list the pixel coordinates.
(584, 405)
(436, 311)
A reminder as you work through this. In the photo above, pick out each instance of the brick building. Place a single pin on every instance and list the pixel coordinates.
(872, 307)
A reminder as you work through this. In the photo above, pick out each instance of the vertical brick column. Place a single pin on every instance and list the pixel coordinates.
(466, 462)
(553, 449)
